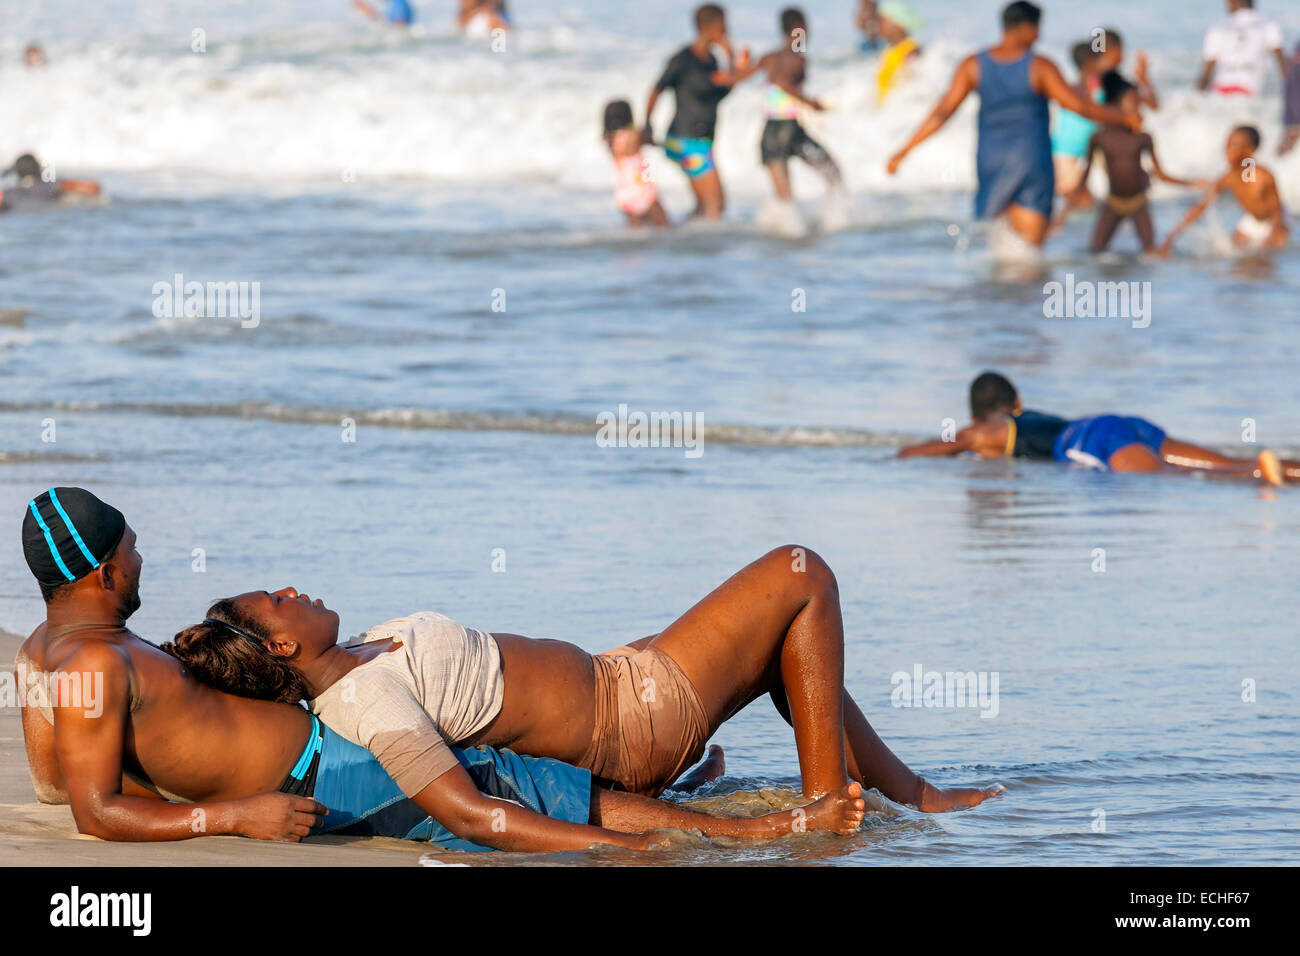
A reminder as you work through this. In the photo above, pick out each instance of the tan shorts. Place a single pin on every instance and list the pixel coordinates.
(650, 722)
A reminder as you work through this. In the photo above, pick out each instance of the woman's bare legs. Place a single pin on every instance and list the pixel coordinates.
(775, 627)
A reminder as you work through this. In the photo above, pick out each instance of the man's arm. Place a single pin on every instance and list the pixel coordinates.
(1207, 71)
(90, 744)
(746, 68)
(1052, 85)
(963, 82)
(454, 801)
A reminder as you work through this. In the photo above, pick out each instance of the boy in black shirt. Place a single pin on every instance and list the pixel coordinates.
(699, 84)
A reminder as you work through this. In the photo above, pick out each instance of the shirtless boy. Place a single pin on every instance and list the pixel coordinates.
(1264, 223)
(783, 135)
(1123, 149)
(1002, 427)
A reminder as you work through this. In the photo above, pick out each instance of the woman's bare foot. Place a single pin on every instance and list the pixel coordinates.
(840, 811)
(934, 800)
(713, 767)
(1270, 469)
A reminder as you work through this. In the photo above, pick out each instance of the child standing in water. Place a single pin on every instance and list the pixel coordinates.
(1263, 224)
(1072, 132)
(1123, 150)
(783, 135)
(635, 192)
(699, 85)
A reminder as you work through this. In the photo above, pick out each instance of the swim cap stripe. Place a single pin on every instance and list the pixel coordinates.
(54, 497)
(68, 533)
(54, 552)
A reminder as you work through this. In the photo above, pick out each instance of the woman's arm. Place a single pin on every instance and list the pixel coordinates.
(454, 801)
(965, 80)
(1053, 86)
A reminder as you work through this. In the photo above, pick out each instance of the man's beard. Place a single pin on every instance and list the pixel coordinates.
(132, 601)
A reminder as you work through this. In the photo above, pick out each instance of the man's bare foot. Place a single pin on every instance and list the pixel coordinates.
(1269, 468)
(713, 767)
(840, 811)
(934, 800)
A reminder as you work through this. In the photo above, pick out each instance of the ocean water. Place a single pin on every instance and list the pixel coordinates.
(439, 263)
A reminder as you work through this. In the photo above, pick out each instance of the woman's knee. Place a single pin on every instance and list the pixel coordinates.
(803, 568)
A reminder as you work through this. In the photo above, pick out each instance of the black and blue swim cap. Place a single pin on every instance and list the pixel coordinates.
(67, 533)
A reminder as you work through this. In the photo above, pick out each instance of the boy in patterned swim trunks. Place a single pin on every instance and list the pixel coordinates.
(699, 84)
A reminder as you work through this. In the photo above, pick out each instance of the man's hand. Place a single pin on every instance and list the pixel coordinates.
(276, 816)
(895, 161)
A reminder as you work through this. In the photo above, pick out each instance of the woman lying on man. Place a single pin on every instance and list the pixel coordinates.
(636, 717)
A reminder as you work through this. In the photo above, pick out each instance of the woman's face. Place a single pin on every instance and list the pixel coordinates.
(292, 616)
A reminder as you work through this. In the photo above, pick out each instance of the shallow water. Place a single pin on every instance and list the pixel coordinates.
(1119, 691)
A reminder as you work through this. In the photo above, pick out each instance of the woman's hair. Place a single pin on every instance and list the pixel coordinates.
(226, 652)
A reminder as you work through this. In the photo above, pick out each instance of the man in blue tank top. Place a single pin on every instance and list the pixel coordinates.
(1014, 156)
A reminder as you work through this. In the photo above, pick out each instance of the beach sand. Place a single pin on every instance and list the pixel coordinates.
(34, 834)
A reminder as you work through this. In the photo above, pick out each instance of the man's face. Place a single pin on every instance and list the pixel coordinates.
(1026, 34)
(716, 31)
(128, 562)
(291, 615)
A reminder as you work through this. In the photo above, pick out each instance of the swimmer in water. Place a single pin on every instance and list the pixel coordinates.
(34, 190)
(1264, 222)
(481, 17)
(783, 135)
(899, 24)
(34, 56)
(699, 85)
(636, 192)
(1001, 427)
(398, 13)
(1122, 149)
(1014, 155)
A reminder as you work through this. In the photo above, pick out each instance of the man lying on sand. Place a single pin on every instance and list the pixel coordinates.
(125, 731)
(1001, 427)
(636, 716)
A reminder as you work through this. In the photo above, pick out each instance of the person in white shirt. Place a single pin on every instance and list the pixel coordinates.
(1237, 50)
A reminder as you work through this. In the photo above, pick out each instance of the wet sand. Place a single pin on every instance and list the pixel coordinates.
(34, 834)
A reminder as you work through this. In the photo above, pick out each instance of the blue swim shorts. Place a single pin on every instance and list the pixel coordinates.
(363, 800)
(1091, 441)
